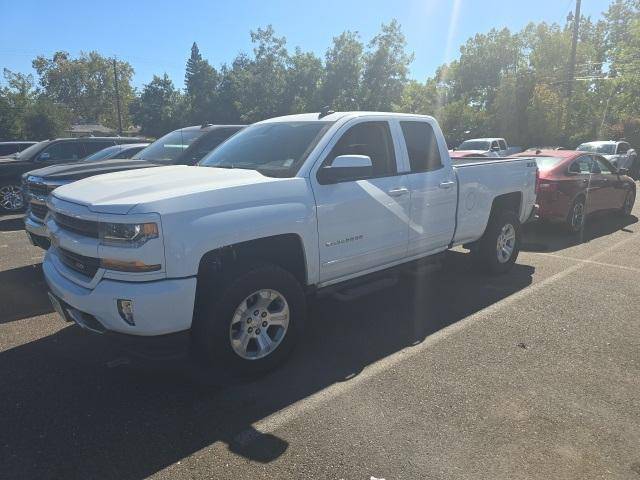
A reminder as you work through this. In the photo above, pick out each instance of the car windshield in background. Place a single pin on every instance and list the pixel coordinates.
(605, 148)
(474, 145)
(27, 152)
(99, 155)
(274, 149)
(547, 163)
(169, 147)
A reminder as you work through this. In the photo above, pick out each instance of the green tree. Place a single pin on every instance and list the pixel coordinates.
(305, 74)
(386, 66)
(160, 107)
(343, 72)
(201, 84)
(85, 85)
(45, 120)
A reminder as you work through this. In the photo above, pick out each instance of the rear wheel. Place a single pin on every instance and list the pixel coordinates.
(629, 200)
(11, 199)
(254, 324)
(498, 248)
(577, 216)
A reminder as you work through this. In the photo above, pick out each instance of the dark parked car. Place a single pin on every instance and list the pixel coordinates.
(9, 148)
(572, 185)
(185, 146)
(42, 154)
(126, 150)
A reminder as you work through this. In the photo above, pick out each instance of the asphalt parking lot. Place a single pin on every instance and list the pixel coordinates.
(453, 375)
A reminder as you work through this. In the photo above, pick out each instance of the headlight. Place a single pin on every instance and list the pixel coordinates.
(127, 234)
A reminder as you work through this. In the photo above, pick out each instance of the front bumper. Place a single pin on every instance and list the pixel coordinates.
(35, 227)
(37, 233)
(160, 307)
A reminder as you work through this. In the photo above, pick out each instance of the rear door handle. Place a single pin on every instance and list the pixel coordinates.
(397, 192)
(447, 184)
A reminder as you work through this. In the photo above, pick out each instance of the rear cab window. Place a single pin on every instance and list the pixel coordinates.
(422, 146)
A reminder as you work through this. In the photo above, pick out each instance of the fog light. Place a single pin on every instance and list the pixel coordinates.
(125, 309)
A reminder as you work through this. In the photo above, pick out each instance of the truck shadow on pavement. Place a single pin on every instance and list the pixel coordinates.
(66, 414)
(23, 293)
(552, 238)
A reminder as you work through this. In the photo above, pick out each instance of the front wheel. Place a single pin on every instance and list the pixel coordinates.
(498, 248)
(254, 324)
(11, 199)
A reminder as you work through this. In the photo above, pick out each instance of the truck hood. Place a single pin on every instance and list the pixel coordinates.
(118, 193)
(78, 170)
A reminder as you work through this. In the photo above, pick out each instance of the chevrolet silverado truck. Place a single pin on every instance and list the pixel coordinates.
(185, 146)
(220, 259)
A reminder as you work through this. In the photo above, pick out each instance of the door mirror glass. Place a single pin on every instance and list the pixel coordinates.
(346, 167)
(44, 156)
(623, 171)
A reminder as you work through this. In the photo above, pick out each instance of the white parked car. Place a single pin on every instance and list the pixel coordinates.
(619, 153)
(484, 147)
(221, 257)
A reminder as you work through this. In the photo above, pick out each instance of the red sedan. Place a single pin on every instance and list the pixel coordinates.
(573, 184)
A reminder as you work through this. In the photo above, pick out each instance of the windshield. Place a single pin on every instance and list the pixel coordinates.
(274, 149)
(33, 149)
(474, 145)
(169, 147)
(102, 154)
(605, 148)
(547, 163)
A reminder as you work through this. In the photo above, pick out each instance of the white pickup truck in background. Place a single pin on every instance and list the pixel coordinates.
(220, 258)
(485, 147)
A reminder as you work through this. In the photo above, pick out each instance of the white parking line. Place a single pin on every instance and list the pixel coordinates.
(297, 409)
(593, 262)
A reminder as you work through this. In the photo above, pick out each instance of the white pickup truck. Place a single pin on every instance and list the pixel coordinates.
(221, 258)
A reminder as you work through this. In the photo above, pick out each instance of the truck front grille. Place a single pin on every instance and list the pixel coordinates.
(78, 226)
(38, 210)
(39, 189)
(87, 266)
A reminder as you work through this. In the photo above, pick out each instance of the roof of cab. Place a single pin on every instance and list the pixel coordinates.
(335, 116)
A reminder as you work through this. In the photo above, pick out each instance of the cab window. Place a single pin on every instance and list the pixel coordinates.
(96, 146)
(623, 147)
(422, 146)
(62, 151)
(372, 139)
(503, 144)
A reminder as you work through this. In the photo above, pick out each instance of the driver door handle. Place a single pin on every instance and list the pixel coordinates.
(397, 192)
(447, 184)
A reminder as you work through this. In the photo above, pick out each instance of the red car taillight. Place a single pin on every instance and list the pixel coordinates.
(547, 186)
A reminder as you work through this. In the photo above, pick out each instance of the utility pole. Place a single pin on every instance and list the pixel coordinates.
(115, 81)
(572, 62)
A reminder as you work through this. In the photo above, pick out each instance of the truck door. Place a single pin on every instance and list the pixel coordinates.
(362, 222)
(433, 189)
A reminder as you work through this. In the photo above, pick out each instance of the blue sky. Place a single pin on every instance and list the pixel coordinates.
(155, 36)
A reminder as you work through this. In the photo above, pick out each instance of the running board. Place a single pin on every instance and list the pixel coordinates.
(353, 293)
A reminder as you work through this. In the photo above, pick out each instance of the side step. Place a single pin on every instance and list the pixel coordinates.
(368, 284)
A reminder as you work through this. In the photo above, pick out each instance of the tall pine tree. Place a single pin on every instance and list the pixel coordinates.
(201, 82)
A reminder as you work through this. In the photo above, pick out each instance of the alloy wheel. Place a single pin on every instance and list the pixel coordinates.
(577, 216)
(506, 243)
(259, 324)
(11, 198)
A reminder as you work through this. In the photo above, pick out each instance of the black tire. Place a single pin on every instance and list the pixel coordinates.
(11, 198)
(213, 319)
(486, 254)
(574, 224)
(627, 206)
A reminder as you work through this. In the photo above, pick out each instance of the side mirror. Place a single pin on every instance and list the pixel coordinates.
(623, 171)
(44, 156)
(495, 149)
(346, 167)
